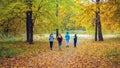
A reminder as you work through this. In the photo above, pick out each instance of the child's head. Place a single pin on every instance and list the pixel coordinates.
(59, 34)
(67, 32)
(51, 34)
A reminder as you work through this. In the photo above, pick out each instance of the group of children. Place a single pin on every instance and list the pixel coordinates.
(60, 39)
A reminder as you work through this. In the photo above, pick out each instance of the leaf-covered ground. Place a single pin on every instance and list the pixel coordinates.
(88, 54)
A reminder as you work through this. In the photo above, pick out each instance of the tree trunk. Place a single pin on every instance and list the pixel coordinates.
(100, 32)
(98, 23)
(96, 28)
(31, 32)
(57, 17)
(99, 27)
(29, 27)
(57, 32)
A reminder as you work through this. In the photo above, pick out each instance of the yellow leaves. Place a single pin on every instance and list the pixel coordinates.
(107, 10)
(107, 13)
(90, 8)
(61, 11)
(77, 1)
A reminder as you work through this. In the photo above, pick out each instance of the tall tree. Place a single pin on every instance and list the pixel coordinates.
(98, 23)
(29, 22)
(57, 5)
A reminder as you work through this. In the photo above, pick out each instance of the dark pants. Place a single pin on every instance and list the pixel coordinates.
(75, 43)
(60, 45)
(51, 45)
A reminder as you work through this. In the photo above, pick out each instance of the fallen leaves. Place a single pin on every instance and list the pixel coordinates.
(38, 55)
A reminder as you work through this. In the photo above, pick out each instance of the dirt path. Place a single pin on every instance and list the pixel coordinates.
(66, 58)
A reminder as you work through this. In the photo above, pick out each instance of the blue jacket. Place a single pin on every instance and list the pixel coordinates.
(67, 36)
(51, 38)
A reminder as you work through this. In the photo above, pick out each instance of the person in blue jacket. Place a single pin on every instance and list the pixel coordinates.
(75, 40)
(67, 38)
(51, 39)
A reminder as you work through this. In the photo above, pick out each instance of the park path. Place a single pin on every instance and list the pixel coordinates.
(66, 58)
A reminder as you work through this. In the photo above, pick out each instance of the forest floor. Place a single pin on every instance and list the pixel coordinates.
(87, 54)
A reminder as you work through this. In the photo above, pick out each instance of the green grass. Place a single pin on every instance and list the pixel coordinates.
(114, 52)
(13, 38)
(8, 50)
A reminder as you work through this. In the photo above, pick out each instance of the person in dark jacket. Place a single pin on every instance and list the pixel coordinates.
(75, 40)
(59, 39)
(51, 39)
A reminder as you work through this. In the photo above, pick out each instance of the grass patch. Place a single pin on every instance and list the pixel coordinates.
(113, 55)
(13, 38)
(8, 50)
(109, 48)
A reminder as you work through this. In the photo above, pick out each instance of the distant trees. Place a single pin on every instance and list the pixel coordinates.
(11, 18)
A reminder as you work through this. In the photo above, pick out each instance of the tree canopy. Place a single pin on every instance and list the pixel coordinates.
(72, 15)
